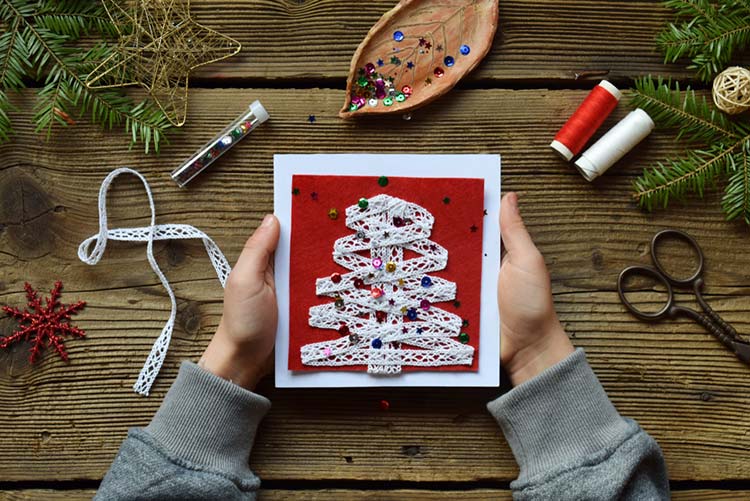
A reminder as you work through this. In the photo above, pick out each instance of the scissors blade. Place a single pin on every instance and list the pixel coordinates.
(742, 350)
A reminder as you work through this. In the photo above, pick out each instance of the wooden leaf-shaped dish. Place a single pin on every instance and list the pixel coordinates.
(416, 53)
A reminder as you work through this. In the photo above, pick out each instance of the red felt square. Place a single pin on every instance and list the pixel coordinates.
(457, 207)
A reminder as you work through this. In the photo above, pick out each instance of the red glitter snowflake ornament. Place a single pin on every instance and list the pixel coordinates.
(45, 325)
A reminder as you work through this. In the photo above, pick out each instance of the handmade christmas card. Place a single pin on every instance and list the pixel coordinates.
(386, 270)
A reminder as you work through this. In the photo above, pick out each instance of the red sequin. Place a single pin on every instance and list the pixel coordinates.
(380, 316)
(439, 72)
(336, 278)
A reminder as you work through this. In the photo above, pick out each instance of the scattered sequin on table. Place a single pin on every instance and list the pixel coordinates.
(333, 213)
(363, 203)
(426, 281)
(383, 181)
(377, 343)
(463, 337)
(336, 278)
(439, 72)
(465, 49)
(449, 61)
(398, 36)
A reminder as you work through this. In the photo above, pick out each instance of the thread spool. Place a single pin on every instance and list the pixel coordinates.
(584, 122)
(613, 145)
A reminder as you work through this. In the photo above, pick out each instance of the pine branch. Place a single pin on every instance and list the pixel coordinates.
(726, 153)
(736, 201)
(37, 42)
(676, 178)
(708, 33)
(5, 128)
(695, 119)
(74, 18)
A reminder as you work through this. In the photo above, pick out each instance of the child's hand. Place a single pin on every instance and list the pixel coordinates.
(241, 348)
(532, 338)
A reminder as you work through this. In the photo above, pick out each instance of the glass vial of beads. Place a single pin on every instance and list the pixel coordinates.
(220, 144)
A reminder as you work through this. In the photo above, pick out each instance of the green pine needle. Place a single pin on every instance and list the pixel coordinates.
(707, 32)
(721, 149)
(35, 44)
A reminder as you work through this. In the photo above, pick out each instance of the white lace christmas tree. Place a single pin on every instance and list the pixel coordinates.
(384, 307)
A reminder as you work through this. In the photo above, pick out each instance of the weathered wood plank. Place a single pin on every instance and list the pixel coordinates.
(537, 40)
(357, 495)
(68, 420)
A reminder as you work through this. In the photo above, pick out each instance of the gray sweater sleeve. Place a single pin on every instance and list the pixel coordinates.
(571, 443)
(196, 447)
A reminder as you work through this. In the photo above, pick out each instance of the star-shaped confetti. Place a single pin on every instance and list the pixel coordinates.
(439, 48)
(158, 49)
(410, 65)
(380, 62)
(311, 119)
(422, 41)
(428, 46)
(314, 195)
(446, 200)
(395, 60)
(44, 325)
(295, 191)
(473, 228)
(428, 81)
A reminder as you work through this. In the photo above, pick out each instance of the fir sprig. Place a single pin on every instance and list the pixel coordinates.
(720, 149)
(36, 46)
(708, 33)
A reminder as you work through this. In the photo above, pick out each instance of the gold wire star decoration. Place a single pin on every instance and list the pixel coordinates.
(159, 45)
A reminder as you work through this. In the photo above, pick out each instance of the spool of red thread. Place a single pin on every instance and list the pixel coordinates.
(589, 116)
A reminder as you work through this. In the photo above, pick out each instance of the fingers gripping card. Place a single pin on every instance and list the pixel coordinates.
(386, 276)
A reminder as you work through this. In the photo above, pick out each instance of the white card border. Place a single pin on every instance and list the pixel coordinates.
(444, 166)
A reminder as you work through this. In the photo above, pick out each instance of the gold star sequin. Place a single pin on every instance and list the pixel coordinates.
(159, 46)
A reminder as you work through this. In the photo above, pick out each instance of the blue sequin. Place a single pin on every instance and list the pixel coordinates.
(411, 314)
(377, 343)
(449, 61)
(398, 36)
(380, 62)
(426, 281)
(465, 49)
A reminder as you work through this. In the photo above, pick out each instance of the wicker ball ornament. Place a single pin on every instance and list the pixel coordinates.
(731, 90)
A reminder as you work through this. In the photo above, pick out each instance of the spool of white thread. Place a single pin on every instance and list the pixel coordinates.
(613, 145)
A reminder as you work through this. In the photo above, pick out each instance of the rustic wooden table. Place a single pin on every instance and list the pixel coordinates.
(63, 423)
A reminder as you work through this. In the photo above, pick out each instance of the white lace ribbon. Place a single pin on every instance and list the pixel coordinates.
(149, 234)
(388, 227)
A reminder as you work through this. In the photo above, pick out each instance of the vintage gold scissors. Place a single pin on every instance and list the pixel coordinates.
(709, 319)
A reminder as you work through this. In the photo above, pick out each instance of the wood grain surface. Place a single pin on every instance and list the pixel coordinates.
(550, 41)
(65, 422)
(69, 419)
(358, 495)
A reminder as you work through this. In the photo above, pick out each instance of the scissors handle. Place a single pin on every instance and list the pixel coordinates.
(677, 235)
(734, 343)
(716, 318)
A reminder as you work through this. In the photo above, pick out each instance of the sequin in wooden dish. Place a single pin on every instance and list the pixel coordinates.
(386, 274)
(417, 52)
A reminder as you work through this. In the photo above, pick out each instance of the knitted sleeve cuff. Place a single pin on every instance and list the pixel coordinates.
(208, 421)
(558, 418)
